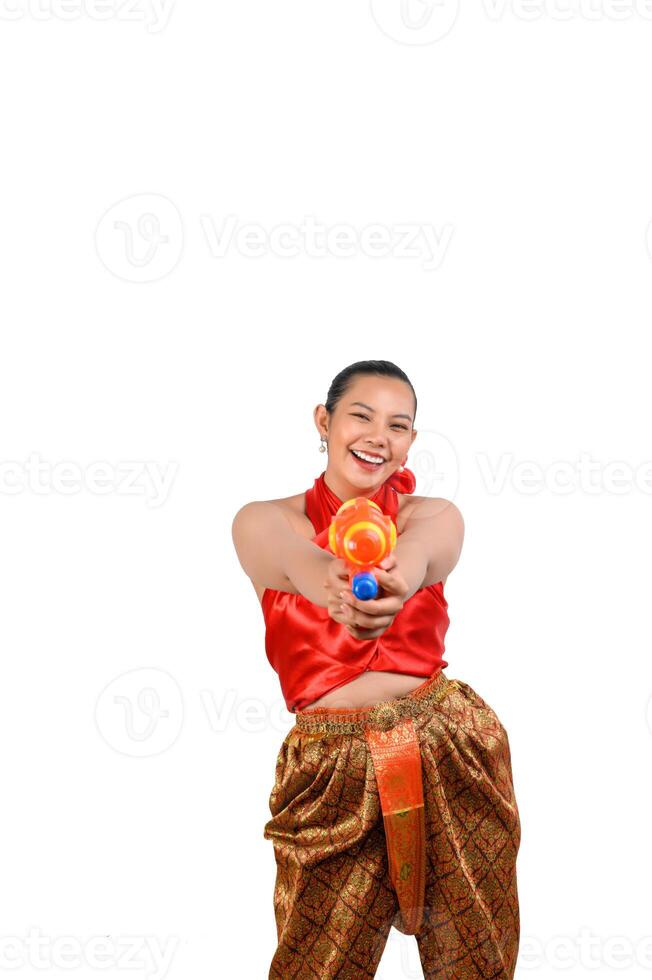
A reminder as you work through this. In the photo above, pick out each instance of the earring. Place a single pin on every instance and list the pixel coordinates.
(322, 448)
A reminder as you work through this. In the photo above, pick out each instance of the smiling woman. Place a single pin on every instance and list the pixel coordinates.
(395, 781)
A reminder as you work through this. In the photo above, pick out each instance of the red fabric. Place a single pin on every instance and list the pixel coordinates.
(312, 654)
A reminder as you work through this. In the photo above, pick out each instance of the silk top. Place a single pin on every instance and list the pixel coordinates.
(312, 654)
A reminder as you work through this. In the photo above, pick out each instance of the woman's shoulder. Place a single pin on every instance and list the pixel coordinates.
(293, 507)
(416, 507)
(293, 502)
(434, 504)
(250, 526)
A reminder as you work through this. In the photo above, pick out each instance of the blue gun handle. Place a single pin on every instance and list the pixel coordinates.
(364, 586)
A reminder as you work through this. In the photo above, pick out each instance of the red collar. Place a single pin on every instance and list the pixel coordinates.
(322, 503)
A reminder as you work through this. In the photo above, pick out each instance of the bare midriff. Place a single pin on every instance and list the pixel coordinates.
(371, 686)
(368, 688)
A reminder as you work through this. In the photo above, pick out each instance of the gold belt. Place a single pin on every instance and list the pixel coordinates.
(381, 716)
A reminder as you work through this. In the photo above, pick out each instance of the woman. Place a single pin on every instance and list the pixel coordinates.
(393, 801)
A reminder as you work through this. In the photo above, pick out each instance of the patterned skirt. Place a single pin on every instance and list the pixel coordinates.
(403, 814)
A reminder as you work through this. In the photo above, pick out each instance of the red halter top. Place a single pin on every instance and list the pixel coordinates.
(312, 654)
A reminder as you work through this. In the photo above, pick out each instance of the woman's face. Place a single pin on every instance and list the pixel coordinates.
(373, 417)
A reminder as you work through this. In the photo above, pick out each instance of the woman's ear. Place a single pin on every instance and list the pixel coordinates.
(320, 416)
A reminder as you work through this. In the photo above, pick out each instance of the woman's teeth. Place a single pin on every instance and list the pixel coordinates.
(368, 459)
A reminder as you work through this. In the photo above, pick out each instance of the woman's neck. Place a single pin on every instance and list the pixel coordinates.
(345, 490)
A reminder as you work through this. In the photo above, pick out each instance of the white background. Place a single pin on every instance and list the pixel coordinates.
(134, 803)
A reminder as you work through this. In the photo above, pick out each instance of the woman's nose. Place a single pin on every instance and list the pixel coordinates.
(378, 444)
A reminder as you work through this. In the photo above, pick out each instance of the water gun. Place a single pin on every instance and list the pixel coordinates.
(363, 536)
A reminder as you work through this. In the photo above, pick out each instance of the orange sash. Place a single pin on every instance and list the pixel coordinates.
(397, 765)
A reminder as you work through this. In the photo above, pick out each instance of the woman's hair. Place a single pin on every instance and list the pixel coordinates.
(343, 381)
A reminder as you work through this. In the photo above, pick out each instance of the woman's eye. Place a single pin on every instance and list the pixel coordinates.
(396, 425)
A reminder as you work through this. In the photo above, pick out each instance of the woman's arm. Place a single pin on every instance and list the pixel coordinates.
(426, 552)
(276, 556)
(429, 548)
(412, 559)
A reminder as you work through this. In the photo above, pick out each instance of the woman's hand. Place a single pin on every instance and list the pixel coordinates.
(365, 619)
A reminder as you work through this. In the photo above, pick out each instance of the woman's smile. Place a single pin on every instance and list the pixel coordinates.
(367, 464)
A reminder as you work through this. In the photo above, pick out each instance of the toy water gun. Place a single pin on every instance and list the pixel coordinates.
(363, 536)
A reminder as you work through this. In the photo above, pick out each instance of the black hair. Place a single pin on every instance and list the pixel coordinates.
(342, 381)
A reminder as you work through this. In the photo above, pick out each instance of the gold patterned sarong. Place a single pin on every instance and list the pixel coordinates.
(399, 814)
